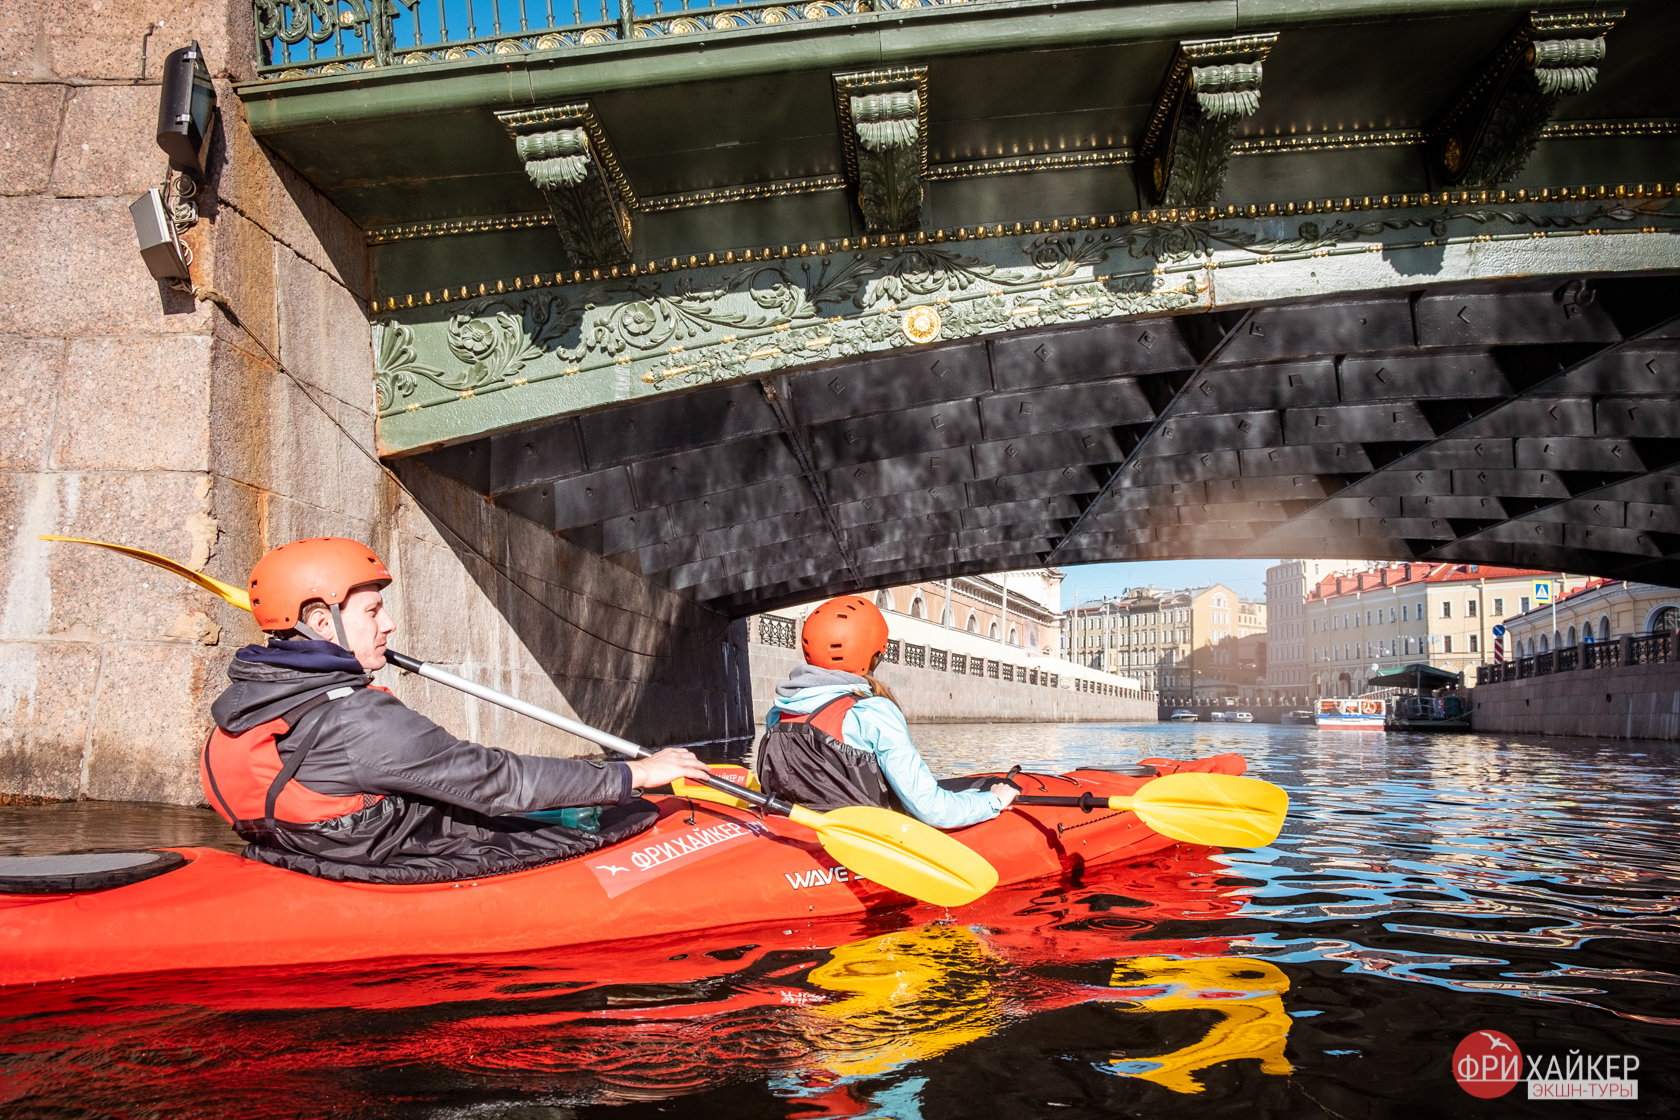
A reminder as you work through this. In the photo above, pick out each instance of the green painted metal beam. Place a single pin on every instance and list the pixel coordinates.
(887, 38)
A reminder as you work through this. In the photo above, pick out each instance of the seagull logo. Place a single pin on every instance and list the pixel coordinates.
(613, 867)
(1495, 1042)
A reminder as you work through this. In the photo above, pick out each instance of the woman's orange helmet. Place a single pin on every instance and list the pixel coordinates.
(324, 568)
(845, 634)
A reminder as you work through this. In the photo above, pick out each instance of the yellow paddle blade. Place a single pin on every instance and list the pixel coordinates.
(729, 772)
(1220, 810)
(899, 852)
(233, 595)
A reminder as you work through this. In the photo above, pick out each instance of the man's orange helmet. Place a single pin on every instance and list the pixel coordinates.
(323, 568)
(845, 634)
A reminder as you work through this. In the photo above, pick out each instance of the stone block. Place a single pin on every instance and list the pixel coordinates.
(243, 271)
(151, 715)
(29, 116)
(104, 145)
(325, 339)
(242, 392)
(128, 39)
(30, 372)
(267, 191)
(46, 689)
(86, 275)
(57, 589)
(290, 520)
(22, 42)
(150, 408)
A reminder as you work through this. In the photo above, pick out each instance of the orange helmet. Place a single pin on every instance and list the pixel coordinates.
(844, 633)
(323, 568)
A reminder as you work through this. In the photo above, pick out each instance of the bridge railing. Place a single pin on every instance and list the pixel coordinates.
(296, 38)
(1636, 649)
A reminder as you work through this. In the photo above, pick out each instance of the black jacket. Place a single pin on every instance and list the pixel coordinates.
(450, 809)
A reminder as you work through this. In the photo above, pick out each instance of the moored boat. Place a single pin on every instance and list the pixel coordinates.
(1354, 714)
(1183, 715)
(703, 865)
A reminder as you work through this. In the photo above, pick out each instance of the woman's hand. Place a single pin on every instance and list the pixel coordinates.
(661, 768)
(1005, 793)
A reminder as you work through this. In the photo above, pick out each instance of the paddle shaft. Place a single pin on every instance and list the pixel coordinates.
(1084, 801)
(581, 730)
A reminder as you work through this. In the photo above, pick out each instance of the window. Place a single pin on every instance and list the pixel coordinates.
(1408, 647)
(1587, 633)
(1405, 613)
(1367, 618)
(1604, 628)
(1523, 609)
(1498, 608)
(1572, 635)
(1469, 608)
(1475, 643)
(1446, 609)
(917, 609)
(1391, 614)
(883, 599)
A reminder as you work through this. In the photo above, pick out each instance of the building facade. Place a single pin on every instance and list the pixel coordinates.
(1441, 615)
(1019, 609)
(1600, 610)
(1201, 644)
(1288, 583)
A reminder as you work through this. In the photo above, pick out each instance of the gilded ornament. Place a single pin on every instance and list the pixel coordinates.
(921, 324)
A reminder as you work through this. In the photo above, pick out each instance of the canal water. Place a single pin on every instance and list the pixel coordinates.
(1424, 889)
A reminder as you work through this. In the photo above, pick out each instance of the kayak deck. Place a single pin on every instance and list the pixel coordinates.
(701, 866)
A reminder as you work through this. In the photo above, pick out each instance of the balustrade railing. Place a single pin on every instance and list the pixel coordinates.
(776, 631)
(1642, 649)
(297, 38)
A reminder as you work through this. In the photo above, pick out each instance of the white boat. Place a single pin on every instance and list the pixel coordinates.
(1300, 717)
(1239, 717)
(1183, 715)
(1354, 714)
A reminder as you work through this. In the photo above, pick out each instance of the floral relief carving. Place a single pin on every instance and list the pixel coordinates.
(679, 330)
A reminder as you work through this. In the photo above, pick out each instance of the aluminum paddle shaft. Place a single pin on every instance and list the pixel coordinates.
(554, 719)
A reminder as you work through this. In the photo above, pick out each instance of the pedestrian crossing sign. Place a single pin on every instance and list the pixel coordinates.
(1542, 592)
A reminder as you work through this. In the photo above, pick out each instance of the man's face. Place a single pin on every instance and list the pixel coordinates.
(366, 625)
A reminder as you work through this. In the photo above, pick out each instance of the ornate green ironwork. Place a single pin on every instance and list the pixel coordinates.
(1490, 129)
(1210, 87)
(635, 335)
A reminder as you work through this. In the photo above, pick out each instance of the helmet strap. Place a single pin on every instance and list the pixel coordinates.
(338, 626)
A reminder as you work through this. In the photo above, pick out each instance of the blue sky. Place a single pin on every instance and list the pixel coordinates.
(1092, 581)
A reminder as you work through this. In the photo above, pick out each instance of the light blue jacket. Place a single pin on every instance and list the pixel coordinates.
(876, 725)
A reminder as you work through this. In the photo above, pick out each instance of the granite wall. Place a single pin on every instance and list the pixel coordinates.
(932, 696)
(210, 429)
(1638, 702)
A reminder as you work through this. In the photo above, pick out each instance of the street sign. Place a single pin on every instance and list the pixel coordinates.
(1498, 631)
(1498, 644)
(1542, 592)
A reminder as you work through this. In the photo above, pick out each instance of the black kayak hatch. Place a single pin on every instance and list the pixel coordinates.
(82, 871)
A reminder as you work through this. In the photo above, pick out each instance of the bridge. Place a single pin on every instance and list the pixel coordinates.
(774, 302)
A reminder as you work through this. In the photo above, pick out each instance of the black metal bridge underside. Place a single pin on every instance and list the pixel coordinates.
(1534, 423)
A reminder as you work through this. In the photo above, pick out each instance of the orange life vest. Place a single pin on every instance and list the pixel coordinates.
(246, 783)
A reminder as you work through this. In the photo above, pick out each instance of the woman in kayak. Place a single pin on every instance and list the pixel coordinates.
(326, 773)
(835, 735)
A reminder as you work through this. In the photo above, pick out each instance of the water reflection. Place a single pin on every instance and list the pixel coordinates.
(1423, 888)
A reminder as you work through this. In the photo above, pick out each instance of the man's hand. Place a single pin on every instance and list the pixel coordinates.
(1005, 792)
(659, 769)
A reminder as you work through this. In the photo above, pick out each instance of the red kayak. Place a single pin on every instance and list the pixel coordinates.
(703, 866)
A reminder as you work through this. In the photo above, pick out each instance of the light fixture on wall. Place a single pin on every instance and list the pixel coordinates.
(186, 119)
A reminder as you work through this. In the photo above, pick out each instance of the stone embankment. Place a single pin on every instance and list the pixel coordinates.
(1625, 690)
(947, 688)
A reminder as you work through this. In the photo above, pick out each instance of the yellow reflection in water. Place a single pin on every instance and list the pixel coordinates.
(905, 997)
(1247, 993)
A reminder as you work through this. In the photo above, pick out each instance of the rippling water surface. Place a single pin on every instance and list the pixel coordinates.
(1424, 888)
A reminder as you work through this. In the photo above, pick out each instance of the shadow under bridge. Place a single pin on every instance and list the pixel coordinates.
(1531, 422)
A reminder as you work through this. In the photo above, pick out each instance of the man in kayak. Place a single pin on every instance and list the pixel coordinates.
(835, 735)
(325, 773)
